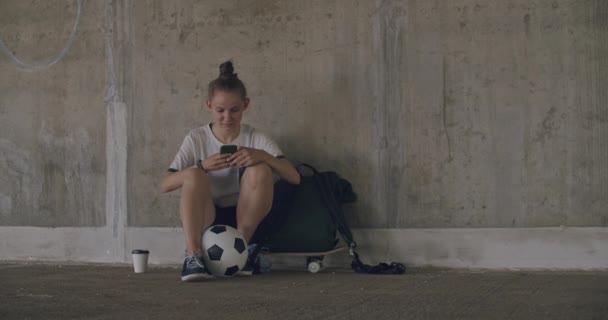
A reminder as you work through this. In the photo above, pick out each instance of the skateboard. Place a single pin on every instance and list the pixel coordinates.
(314, 260)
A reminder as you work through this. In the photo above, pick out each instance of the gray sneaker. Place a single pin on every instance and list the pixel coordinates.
(194, 269)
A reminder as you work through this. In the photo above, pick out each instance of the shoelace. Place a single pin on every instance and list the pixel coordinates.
(191, 263)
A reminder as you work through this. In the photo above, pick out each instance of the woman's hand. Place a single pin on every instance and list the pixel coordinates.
(246, 157)
(216, 162)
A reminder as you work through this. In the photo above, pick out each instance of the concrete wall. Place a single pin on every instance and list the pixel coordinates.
(458, 122)
(52, 142)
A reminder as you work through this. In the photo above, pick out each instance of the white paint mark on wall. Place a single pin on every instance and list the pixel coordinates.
(45, 65)
(111, 92)
(116, 146)
(116, 159)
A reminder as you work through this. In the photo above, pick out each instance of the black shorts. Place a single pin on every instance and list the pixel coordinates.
(281, 200)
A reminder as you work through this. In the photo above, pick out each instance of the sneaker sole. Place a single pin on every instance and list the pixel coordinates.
(196, 277)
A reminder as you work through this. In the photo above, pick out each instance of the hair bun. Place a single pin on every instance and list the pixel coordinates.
(227, 70)
(227, 81)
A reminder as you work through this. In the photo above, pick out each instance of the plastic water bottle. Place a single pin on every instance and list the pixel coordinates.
(265, 263)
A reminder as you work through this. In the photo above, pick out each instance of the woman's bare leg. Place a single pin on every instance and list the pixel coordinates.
(255, 198)
(196, 207)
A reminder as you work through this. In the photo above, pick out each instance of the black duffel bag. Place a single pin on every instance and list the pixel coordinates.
(307, 224)
(312, 215)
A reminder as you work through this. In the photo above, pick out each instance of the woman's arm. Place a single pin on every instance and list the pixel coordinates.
(284, 169)
(173, 180)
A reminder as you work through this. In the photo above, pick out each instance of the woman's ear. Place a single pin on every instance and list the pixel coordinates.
(208, 103)
(246, 103)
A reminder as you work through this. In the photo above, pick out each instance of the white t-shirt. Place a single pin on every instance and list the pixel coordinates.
(201, 143)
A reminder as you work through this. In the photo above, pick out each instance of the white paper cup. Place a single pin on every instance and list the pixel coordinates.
(140, 260)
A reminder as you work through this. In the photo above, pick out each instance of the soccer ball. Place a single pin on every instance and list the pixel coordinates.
(224, 250)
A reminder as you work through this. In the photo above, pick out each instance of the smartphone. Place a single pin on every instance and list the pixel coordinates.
(228, 148)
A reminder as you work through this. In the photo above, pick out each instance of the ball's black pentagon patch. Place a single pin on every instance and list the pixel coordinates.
(215, 253)
(239, 245)
(231, 271)
(218, 229)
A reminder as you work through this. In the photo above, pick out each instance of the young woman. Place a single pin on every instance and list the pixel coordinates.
(234, 188)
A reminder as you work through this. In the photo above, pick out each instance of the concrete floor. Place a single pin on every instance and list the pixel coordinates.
(53, 291)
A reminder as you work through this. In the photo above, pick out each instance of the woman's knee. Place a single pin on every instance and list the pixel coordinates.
(259, 173)
(194, 177)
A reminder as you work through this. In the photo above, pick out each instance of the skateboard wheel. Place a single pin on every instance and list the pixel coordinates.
(315, 266)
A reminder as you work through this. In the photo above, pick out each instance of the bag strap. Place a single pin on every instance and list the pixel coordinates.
(328, 185)
(331, 196)
(381, 268)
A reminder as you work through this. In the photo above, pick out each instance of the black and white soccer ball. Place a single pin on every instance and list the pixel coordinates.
(224, 250)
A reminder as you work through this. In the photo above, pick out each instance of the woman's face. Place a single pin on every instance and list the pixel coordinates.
(227, 109)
